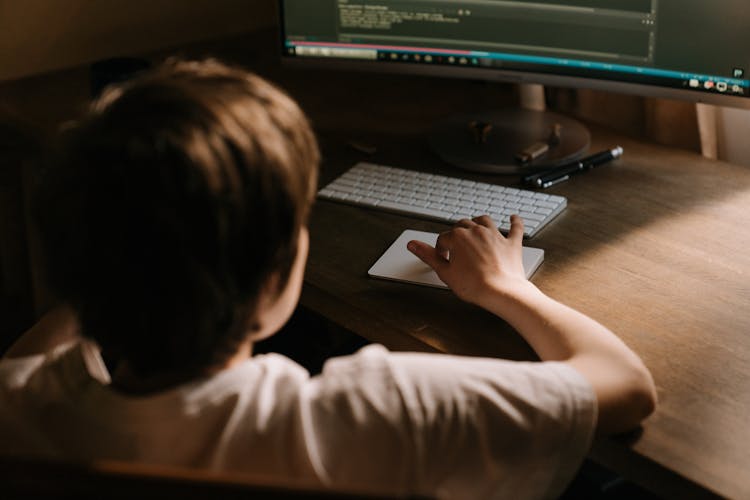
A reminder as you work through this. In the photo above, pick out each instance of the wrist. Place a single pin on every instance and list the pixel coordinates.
(507, 295)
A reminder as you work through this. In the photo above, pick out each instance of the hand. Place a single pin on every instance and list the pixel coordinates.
(474, 258)
(485, 268)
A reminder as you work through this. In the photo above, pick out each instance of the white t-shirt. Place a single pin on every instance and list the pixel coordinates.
(438, 425)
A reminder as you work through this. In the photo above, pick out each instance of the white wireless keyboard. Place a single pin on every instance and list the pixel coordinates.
(447, 199)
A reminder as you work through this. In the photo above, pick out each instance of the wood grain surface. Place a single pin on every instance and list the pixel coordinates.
(654, 245)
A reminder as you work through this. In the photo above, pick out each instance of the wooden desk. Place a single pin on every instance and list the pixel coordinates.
(655, 246)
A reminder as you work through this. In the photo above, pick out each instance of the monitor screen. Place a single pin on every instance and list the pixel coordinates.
(691, 49)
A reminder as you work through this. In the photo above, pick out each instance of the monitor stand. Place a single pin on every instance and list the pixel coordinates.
(490, 142)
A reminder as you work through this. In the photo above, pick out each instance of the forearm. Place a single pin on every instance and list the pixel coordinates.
(56, 327)
(556, 332)
(485, 268)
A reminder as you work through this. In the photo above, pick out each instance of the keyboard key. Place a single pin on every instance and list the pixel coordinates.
(428, 212)
(369, 201)
(546, 204)
(338, 195)
(531, 216)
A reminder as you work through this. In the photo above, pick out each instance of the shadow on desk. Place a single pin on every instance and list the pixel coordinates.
(595, 482)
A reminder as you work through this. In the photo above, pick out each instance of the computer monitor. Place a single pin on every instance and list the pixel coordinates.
(688, 49)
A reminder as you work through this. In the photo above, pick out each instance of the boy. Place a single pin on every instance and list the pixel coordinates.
(175, 223)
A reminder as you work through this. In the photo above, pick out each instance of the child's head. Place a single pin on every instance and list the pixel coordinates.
(176, 210)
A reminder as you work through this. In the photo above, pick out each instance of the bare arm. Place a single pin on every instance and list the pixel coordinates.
(485, 268)
(56, 327)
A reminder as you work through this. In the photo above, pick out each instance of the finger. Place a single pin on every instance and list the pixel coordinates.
(486, 221)
(427, 254)
(443, 244)
(516, 228)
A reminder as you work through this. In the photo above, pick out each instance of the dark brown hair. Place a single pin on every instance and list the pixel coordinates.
(170, 205)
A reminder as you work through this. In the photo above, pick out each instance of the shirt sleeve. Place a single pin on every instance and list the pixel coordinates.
(15, 372)
(451, 426)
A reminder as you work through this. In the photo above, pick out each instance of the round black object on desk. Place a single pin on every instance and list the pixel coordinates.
(509, 131)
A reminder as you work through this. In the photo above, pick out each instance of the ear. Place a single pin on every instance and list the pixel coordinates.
(276, 301)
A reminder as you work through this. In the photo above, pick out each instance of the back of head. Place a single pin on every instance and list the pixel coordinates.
(171, 205)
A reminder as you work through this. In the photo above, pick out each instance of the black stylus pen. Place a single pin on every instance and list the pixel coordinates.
(556, 175)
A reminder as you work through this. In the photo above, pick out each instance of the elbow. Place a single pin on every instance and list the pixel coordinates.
(639, 399)
(650, 395)
(644, 396)
(625, 391)
(631, 400)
